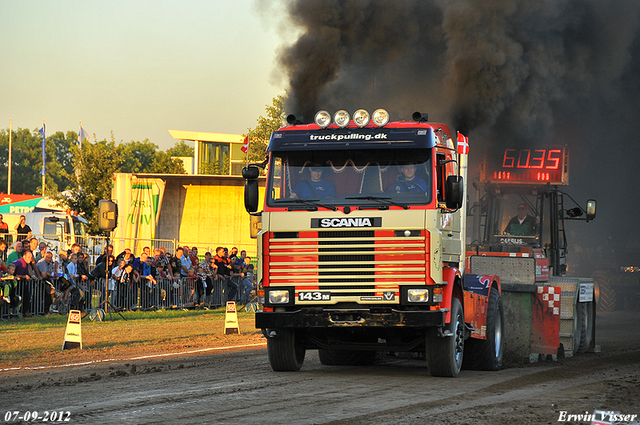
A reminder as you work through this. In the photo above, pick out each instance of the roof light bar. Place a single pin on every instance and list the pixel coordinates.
(361, 118)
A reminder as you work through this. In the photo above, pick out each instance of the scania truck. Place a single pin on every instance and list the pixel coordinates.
(362, 246)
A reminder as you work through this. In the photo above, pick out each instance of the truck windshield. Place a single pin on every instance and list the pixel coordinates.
(79, 227)
(377, 177)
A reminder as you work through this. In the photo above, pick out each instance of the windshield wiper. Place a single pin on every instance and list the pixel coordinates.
(313, 203)
(382, 199)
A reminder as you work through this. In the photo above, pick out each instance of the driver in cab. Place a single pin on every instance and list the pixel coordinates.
(408, 181)
(314, 187)
(522, 224)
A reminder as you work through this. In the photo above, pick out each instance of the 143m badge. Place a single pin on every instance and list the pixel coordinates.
(314, 296)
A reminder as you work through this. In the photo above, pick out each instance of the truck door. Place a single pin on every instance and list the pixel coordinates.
(56, 231)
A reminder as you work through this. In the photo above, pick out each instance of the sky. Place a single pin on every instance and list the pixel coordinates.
(137, 68)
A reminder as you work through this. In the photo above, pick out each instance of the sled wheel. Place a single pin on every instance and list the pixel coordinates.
(487, 354)
(604, 290)
(585, 328)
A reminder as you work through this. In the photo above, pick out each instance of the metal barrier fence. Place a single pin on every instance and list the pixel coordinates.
(36, 296)
(94, 246)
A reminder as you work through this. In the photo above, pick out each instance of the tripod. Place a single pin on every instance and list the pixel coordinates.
(106, 301)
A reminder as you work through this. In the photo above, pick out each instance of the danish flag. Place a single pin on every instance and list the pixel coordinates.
(245, 146)
(463, 144)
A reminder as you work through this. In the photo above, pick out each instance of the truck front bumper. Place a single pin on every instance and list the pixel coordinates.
(347, 318)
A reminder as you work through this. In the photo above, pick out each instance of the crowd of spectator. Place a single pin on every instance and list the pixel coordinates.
(132, 281)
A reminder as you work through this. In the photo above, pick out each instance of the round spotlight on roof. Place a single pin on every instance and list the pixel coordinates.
(341, 118)
(361, 117)
(323, 119)
(380, 117)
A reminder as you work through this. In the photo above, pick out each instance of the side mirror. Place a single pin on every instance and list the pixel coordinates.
(251, 196)
(454, 192)
(251, 172)
(591, 209)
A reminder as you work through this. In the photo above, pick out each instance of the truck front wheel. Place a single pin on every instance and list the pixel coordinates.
(285, 350)
(444, 353)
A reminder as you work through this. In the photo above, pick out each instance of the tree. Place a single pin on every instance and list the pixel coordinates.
(137, 156)
(215, 168)
(91, 180)
(260, 134)
(164, 163)
(144, 157)
(24, 176)
(27, 161)
(180, 149)
(59, 160)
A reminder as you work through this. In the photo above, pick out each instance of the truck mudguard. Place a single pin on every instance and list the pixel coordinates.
(479, 283)
(453, 277)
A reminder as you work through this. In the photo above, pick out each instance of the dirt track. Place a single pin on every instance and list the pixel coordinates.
(239, 387)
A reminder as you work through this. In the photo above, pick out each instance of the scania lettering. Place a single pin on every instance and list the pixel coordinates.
(345, 222)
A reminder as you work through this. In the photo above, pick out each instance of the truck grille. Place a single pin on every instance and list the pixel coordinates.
(352, 266)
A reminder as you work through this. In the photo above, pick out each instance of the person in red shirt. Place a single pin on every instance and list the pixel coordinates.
(4, 227)
(194, 257)
(223, 266)
(3, 250)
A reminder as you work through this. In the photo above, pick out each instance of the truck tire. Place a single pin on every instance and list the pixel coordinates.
(346, 357)
(604, 290)
(285, 352)
(445, 354)
(586, 327)
(487, 354)
(578, 319)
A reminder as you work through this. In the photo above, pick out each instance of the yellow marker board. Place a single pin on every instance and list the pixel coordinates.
(231, 319)
(73, 334)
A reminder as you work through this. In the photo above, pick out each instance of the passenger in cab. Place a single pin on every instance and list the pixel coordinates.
(408, 181)
(314, 187)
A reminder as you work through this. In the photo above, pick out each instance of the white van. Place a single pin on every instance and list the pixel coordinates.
(58, 229)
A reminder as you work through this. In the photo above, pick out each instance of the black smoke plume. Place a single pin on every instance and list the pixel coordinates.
(504, 72)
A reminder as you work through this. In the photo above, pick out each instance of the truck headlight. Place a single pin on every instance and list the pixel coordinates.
(361, 118)
(341, 118)
(323, 119)
(279, 296)
(418, 295)
(380, 117)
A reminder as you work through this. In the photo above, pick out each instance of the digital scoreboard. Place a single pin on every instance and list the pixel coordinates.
(527, 166)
